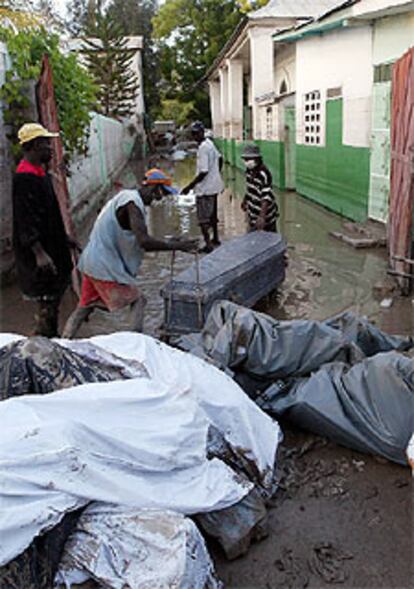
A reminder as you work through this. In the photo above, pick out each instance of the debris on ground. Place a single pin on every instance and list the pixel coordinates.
(361, 236)
(359, 242)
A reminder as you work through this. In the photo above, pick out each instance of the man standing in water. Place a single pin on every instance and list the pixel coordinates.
(41, 246)
(207, 184)
(259, 201)
(112, 258)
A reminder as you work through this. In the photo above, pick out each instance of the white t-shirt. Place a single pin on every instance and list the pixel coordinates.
(208, 158)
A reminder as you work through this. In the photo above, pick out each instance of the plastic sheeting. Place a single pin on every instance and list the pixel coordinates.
(39, 366)
(245, 427)
(241, 339)
(359, 391)
(127, 442)
(368, 407)
(150, 550)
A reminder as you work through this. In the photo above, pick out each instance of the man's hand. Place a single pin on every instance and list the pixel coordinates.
(73, 244)
(260, 223)
(45, 263)
(184, 245)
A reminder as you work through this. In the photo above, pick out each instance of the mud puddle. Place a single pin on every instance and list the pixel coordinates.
(340, 518)
(324, 277)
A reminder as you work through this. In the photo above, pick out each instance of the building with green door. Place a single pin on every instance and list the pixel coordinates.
(323, 119)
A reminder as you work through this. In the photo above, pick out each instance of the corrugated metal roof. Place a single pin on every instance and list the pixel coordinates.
(294, 8)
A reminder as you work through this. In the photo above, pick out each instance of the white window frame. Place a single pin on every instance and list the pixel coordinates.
(313, 119)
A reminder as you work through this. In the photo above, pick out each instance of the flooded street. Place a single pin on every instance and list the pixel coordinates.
(339, 517)
(325, 276)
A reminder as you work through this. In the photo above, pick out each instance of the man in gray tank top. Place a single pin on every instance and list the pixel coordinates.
(113, 255)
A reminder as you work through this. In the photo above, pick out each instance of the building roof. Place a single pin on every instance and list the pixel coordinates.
(342, 15)
(293, 9)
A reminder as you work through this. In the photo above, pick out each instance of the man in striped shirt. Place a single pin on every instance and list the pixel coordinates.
(259, 201)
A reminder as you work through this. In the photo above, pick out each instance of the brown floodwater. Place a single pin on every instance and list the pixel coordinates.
(340, 517)
(325, 276)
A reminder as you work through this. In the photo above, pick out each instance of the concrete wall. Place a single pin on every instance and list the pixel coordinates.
(285, 67)
(110, 145)
(392, 37)
(335, 172)
(336, 175)
(6, 260)
(338, 59)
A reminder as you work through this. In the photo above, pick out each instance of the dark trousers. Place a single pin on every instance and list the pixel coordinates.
(47, 317)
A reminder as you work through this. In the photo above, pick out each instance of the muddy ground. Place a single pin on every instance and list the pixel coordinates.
(339, 517)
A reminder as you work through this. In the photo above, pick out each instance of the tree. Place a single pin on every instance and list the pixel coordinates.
(82, 14)
(174, 109)
(134, 17)
(191, 34)
(74, 88)
(108, 61)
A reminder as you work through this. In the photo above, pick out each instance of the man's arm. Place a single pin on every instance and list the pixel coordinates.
(194, 182)
(149, 243)
(43, 260)
(261, 219)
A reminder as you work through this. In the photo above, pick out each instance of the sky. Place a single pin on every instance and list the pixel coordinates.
(60, 6)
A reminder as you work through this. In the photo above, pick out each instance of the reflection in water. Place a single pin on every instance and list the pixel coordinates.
(324, 276)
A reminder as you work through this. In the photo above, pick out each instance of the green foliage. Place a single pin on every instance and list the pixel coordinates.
(74, 89)
(175, 109)
(191, 33)
(81, 14)
(247, 6)
(109, 63)
(134, 17)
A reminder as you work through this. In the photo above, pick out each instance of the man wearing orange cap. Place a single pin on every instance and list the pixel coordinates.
(41, 246)
(112, 258)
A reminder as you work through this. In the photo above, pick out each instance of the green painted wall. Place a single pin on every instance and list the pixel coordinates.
(336, 176)
(273, 155)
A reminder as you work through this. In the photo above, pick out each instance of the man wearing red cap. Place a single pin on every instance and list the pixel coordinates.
(41, 246)
(112, 258)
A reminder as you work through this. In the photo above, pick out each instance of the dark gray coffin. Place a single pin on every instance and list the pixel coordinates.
(243, 270)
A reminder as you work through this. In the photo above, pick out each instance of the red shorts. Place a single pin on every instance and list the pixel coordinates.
(111, 295)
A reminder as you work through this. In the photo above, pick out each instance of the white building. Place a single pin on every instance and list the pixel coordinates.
(243, 80)
(343, 65)
(319, 94)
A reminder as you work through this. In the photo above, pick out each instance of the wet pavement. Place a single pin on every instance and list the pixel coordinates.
(339, 517)
(325, 276)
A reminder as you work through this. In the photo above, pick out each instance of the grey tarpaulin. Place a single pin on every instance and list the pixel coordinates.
(241, 339)
(354, 393)
(369, 406)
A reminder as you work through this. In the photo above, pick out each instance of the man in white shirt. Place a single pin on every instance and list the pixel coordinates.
(207, 184)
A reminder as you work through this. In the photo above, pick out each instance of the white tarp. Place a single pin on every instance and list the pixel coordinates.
(139, 443)
(150, 550)
(226, 406)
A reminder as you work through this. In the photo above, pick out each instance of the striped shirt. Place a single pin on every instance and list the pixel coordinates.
(259, 189)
